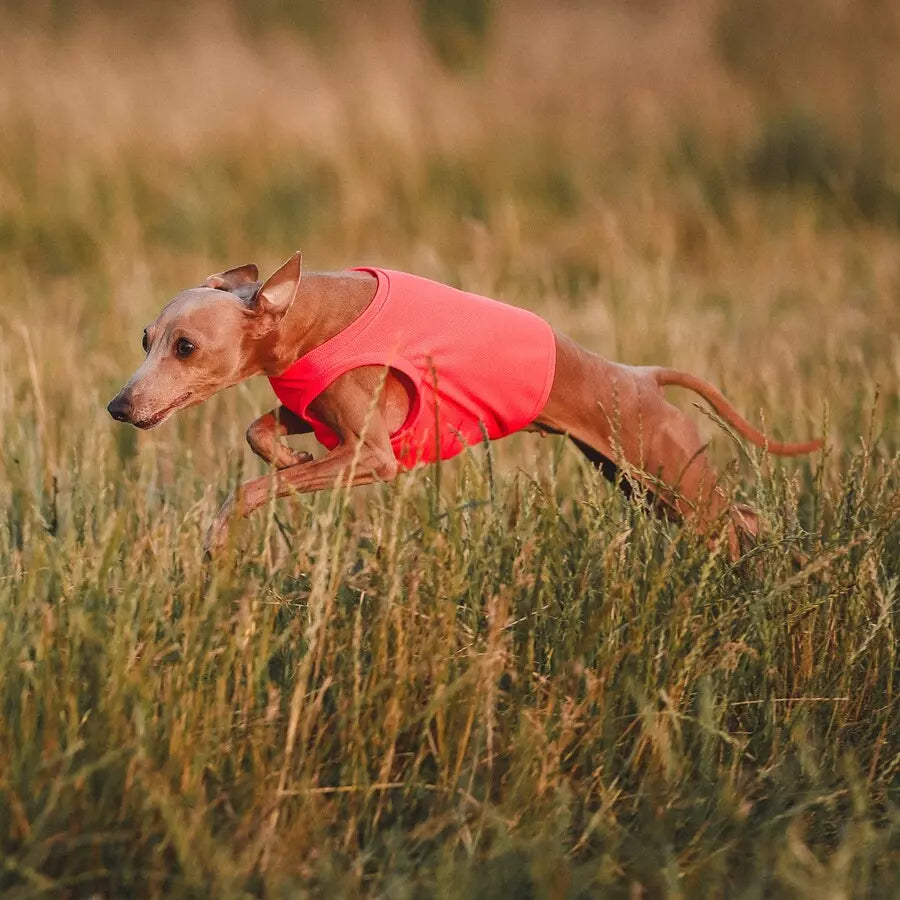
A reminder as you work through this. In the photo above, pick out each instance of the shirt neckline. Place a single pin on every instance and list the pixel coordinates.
(326, 352)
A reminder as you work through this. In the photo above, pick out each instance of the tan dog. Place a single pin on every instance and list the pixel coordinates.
(214, 336)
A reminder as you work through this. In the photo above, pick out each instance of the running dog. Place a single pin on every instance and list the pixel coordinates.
(390, 371)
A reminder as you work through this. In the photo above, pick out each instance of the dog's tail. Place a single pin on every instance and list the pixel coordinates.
(714, 397)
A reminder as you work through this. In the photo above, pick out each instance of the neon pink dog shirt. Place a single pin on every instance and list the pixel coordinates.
(476, 366)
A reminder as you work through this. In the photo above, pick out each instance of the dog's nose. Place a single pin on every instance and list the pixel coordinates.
(119, 408)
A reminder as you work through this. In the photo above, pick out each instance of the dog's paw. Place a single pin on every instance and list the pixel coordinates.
(217, 535)
(288, 458)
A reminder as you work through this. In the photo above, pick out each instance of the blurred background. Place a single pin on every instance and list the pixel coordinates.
(699, 183)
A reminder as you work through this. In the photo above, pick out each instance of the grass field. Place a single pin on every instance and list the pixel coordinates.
(496, 678)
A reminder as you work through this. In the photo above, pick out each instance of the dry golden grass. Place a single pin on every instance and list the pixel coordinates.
(500, 679)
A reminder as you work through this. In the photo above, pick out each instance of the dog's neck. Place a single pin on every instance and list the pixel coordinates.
(325, 304)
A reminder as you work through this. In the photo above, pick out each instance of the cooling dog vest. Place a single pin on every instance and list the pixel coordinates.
(476, 367)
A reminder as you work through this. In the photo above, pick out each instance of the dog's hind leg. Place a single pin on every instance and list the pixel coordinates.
(617, 415)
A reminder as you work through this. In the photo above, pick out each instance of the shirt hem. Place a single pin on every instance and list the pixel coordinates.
(548, 378)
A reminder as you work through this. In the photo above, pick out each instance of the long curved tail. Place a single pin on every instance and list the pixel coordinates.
(714, 397)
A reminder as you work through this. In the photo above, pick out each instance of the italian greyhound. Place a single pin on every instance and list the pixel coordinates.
(232, 327)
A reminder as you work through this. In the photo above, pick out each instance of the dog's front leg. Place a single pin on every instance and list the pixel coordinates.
(263, 437)
(335, 469)
(349, 465)
(363, 455)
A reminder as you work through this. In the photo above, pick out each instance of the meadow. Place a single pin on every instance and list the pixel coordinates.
(497, 677)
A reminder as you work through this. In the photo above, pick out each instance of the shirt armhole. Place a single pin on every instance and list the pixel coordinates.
(408, 376)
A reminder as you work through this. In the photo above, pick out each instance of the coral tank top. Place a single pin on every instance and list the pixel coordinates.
(476, 367)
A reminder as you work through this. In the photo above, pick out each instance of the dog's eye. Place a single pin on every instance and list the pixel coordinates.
(183, 348)
(145, 342)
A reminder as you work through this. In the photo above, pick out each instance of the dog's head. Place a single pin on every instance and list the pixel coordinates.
(207, 338)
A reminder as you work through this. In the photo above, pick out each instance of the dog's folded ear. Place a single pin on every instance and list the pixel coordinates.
(233, 278)
(277, 294)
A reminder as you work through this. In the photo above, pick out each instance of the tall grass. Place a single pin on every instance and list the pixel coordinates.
(497, 677)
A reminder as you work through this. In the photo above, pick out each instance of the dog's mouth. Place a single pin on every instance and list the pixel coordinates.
(163, 414)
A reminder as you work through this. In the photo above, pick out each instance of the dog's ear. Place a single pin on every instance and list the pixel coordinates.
(233, 278)
(277, 294)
